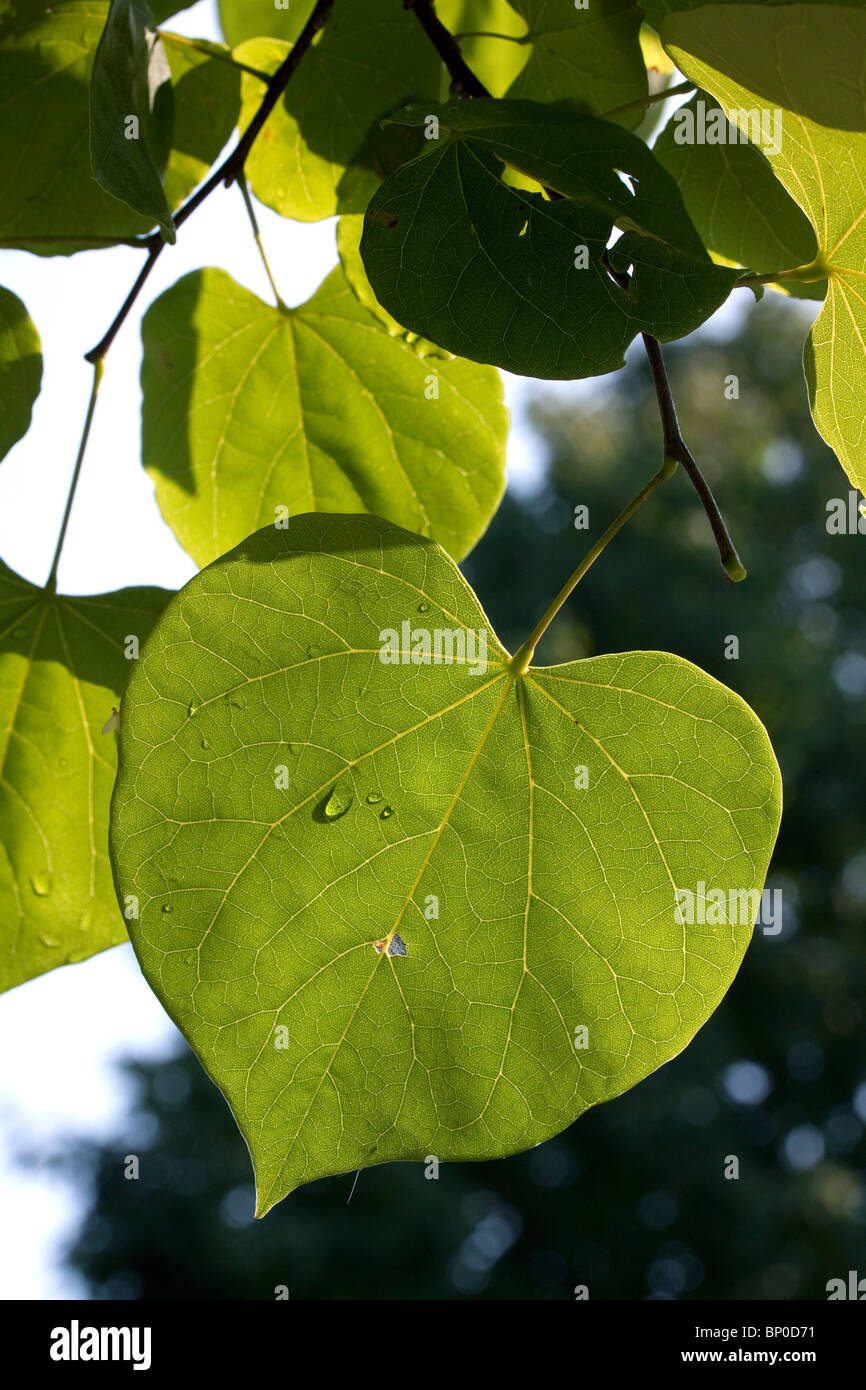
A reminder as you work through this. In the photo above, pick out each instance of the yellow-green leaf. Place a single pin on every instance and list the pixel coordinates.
(423, 906)
(63, 667)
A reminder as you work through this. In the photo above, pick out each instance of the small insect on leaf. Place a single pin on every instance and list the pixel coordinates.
(396, 946)
(113, 721)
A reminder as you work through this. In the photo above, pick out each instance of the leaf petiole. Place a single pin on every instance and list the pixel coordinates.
(519, 663)
(98, 367)
(248, 202)
(639, 105)
(211, 50)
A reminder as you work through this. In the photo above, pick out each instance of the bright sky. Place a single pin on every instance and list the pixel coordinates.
(61, 1034)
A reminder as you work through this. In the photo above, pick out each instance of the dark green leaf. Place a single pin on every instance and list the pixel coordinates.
(589, 57)
(349, 231)
(495, 273)
(132, 112)
(20, 369)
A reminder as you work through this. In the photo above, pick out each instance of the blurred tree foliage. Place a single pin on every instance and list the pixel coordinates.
(632, 1201)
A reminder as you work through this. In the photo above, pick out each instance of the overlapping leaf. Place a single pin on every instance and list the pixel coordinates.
(62, 668)
(349, 231)
(497, 274)
(49, 200)
(736, 202)
(249, 408)
(132, 112)
(550, 50)
(805, 65)
(20, 369)
(288, 804)
(369, 60)
(589, 57)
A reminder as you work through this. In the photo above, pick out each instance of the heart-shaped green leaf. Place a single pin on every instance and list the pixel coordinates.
(503, 275)
(800, 70)
(323, 749)
(248, 409)
(63, 665)
(20, 369)
(132, 112)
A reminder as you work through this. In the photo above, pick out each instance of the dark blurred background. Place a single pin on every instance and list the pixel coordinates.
(632, 1200)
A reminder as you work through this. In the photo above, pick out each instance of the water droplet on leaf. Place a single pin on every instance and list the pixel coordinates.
(41, 885)
(374, 797)
(166, 907)
(386, 812)
(338, 802)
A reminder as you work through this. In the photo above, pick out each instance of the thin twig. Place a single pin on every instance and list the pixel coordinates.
(227, 172)
(463, 80)
(676, 448)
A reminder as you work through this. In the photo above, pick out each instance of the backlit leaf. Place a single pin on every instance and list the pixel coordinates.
(288, 805)
(802, 69)
(736, 202)
(62, 668)
(250, 19)
(249, 409)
